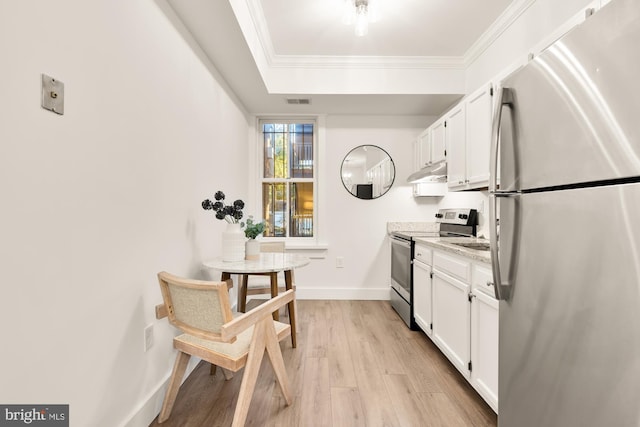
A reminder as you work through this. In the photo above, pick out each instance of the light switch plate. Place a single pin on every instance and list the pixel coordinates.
(52, 94)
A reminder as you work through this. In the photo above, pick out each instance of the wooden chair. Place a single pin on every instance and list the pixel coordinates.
(261, 285)
(202, 311)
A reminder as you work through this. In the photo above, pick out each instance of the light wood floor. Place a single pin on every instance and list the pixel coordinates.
(356, 364)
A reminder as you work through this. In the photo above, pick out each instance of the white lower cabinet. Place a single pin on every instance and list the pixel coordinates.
(451, 323)
(422, 296)
(484, 348)
(456, 308)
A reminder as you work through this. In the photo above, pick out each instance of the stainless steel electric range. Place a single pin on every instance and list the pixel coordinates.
(453, 222)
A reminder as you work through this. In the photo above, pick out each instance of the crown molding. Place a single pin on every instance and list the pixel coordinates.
(499, 26)
(262, 29)
(504, 21)
(381, 62)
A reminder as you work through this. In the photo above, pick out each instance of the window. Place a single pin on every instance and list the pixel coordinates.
(288, 177)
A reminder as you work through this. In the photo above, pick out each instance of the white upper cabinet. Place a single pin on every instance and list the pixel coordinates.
(479, 110)
(438, 141)
(468, 146)
(456, 152)
(424, 147)
(429, 148)
(431, 145)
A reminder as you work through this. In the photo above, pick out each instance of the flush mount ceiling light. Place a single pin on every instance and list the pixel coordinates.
(361, 12)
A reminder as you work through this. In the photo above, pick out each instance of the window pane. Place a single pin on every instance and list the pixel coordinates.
(269, 164)
(281, 164)
(302, 151)
(275, 206)
(301, 220)
(275, 145)
(288, 150)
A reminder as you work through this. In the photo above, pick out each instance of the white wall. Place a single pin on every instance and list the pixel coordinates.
(356, 229)
(96, 202)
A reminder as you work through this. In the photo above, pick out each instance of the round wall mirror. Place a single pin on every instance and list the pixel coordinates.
(367, 172)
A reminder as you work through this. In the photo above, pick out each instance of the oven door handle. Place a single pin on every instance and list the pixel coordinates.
(400, 242)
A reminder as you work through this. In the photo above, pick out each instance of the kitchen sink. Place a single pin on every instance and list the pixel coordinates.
(478, 246)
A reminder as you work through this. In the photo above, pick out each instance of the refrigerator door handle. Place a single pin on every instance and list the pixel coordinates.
(502, 289)
(504, 98)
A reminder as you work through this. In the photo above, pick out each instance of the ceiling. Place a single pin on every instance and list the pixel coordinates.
(411, 63)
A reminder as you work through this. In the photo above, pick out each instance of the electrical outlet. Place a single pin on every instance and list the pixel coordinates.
(339, 262)
(148, 337)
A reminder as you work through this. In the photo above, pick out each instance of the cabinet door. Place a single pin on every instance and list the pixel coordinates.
(438, 141)
(456, 155)
(424, 140)
(422, 296)
(478, 111)
(416, 155)
(451, 322)
(484, 347)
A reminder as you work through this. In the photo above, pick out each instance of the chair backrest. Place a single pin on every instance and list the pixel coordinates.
(272, 247)
(196, 307)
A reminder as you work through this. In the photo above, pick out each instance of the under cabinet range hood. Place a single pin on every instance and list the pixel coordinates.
(434, 172)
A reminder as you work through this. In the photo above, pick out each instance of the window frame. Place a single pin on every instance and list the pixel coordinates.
(318, 125)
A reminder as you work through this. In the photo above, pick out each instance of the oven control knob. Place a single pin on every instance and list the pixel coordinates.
(463, 216)
(439, 215)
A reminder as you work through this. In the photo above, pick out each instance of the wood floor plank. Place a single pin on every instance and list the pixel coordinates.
(383, 340)
(376, 402)
(424, 390)
(406, 402)
(341, 369)
(439, 411)
(346, 407)
(315, 405)
(424, 376)
(317, 345)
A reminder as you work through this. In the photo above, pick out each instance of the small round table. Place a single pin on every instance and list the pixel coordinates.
(269, 264)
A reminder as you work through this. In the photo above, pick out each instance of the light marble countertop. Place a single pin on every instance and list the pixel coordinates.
(448, 244)
(428, 227)
(267, 263)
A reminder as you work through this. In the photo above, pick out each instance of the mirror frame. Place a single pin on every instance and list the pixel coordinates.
(368, 193)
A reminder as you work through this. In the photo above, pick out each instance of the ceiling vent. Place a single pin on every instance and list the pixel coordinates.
(298, 101)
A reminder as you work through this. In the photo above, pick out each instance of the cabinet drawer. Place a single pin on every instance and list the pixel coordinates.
(454, 266)
(483, 280)
(423, 254)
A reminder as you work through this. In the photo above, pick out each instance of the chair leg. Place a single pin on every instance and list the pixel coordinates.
(227, 374)
(273, 278)
(251, 370)
(275, 356)
(179, 367)
(291, 307)
(244, 283)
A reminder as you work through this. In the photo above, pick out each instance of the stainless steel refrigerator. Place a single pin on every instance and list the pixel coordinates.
(566, 250)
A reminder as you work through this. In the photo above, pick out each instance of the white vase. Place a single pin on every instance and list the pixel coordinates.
(233, 243)
(252, 249)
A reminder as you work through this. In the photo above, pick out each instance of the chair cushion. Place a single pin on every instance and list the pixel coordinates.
(233, 351)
